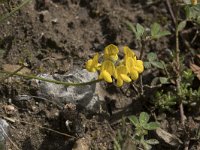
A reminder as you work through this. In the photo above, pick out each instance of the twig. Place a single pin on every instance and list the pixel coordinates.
(171, 11)
(4, 133)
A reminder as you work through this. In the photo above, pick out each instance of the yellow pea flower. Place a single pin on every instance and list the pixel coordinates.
(92, 65)
(107, 71)
(134, 67)
(122, 75)
(128, 52)
(111, 52)
(194, 2)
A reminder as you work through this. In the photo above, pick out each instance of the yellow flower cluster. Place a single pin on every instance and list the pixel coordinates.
(126, 70)
(194, 2)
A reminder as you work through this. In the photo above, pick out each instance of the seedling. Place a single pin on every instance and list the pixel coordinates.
(142, 127)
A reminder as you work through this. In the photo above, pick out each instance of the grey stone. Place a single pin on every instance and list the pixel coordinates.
(84, 96)
(3, 133)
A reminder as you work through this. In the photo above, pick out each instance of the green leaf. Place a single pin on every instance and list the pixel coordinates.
(140, 31)
(163, 33)
(152, 56)
(152, 141)
(134, 120)
(143, 118)
(147, 64)
(146, 146)
(163, 80)
(157, 64)
(116, 145)
(192, 12)
(151, 126)
(156, 31)
(130, 27)
(181, 25)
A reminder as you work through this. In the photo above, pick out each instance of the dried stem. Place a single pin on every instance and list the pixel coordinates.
(178, 71)
(177, 51)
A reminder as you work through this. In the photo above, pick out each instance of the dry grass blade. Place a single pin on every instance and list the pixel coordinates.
(4, 17)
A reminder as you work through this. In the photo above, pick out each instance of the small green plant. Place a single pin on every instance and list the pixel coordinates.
(192, 11)
(140, 33)
(189, 96)
(123, 139)
(164, 101)
(142, 127)
(127, 138)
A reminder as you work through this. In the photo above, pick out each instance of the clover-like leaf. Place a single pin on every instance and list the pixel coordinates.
(151, 126)
(152, 56)
(157, 64)
(139, 31)
(155, 28)
(143, 118)
(192, 12)
(147, 64)
(134, 120)
(156, 31)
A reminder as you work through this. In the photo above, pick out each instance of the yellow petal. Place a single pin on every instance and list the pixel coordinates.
(111, 49)
(95, 59)
(134, 75)
(110, 57)
(139, 66)
(125, 78)
(129, 64)
(119, 82)
(114, 57)
(128, 52)
(106, 76)
(92, 64)
(194, 2)
(88, 65)
(98, 66)
(109, 67)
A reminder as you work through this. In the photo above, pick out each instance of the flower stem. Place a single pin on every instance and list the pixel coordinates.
(49, 80)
